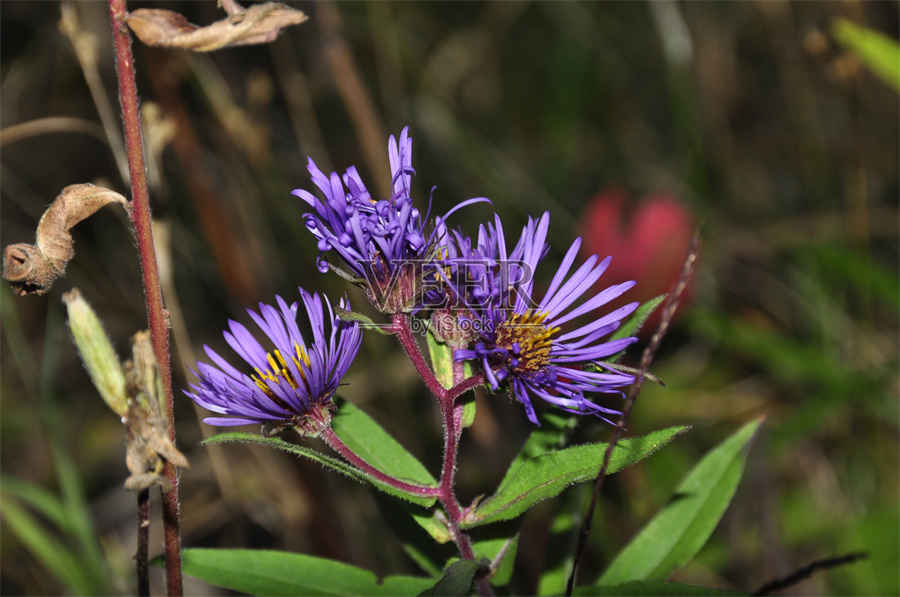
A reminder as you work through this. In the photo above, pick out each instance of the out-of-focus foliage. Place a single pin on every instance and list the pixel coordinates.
(781, 143)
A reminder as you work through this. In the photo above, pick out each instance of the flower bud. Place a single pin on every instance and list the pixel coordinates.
(96, 352)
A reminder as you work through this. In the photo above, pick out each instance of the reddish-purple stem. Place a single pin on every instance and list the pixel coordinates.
(336, 444)
(156, 316)
(451, 414)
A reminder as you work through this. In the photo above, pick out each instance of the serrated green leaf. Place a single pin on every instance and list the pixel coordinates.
(637, 320)
(652, 589)
(457, 579)
(879, 53)
(325, 460)
(677, 533)
(531, 480)
(56, 557)
(377, 447)
(270, 572)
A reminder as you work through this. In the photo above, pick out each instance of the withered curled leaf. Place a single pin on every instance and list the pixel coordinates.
(258, 24)
(32, 269)
(148, 443)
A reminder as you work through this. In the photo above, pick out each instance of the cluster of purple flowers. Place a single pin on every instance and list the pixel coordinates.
(519, 343)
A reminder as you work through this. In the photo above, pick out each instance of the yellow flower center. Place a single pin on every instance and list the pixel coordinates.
(278, 367)
(534, 339)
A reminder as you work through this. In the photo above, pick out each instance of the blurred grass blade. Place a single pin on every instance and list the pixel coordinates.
(38, 498)
(681, 528)
(270, 572)
(79, 515)
(51, 553)
(877, 51)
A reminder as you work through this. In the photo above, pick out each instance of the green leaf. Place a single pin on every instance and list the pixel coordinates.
(51, 553)
(442, 363)
(651, 588)
(421, 560)
(457, 578)
(269, 572)
(329, 462)
(678, 532)
(374, 445)
(877, 51)
(434, 525)
(637, 320)
(505, 549)
(441, 360)
(364, 321)
(530, 480)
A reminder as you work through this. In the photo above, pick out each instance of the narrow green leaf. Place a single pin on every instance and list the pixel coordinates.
(329, 462)
(269, 572)
(652, 589)
(500, 552)
(877, 51)
(79, 516)
(442, 363)
(441, 360)
(433, 525)
(457, 579)
(422, 560)
(38, 498)
(634, 324)
(677, 533)
(637, 320)
(530, 480)
(363, 320)
(372, 443)
(56, 557)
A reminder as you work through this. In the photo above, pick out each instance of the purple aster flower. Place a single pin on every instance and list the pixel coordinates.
(289, 382)
(373, 238)
(521, 344)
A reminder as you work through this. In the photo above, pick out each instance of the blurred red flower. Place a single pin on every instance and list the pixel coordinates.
(648, 241)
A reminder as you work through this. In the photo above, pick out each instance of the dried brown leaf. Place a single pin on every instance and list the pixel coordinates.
(32, 269)
(258, 24)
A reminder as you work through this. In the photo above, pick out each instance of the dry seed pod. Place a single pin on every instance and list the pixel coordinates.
(259, 24)
(32, 269)
(148, 443)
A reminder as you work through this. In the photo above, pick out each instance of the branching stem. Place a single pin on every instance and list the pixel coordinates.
(451, 415)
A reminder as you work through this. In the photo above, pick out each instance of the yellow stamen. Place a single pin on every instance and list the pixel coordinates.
(534, 338)
(278, 367)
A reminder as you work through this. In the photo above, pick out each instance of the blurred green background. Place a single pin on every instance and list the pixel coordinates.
(749, 117)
